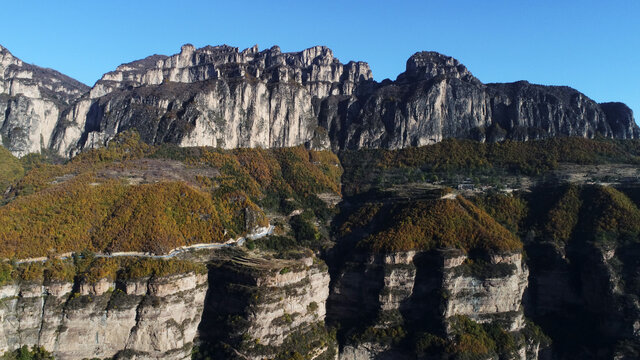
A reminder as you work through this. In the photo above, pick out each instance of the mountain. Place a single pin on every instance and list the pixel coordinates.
(456, 250)
(31, 100)
(220, 96)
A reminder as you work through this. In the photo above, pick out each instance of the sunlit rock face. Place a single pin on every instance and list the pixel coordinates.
(144, 318)
(221, 96)
(427, 290)
(213, 96)
(31, 100)
(257, 309)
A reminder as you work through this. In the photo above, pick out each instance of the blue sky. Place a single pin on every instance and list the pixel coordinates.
(593, 46)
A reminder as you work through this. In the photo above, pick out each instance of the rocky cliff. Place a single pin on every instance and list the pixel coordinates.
(31, 101)
(213, 96)
(385, 303)
(262, 308)
(220, 96)
(143, 319)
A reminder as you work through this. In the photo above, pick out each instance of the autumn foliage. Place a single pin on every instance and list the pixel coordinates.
(429, 224)
(71, 207)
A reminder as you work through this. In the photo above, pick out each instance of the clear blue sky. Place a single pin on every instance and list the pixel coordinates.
(591, 45)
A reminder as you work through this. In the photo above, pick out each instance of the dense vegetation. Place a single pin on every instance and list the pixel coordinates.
(465, 339)
(507, 209)
(87, 268)
(471, 340)
(428, 224)
(77, 215)
(26, 353)
(529, 157)
(597, 214)
(59, 208)
(10, 169)
(466, 158)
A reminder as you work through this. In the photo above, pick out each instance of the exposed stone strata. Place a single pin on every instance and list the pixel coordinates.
(220, 96)
(485, 299)
(213, 96)
(584, 286)
(424, 290)
(255, 308)
(31, 100)
(147, 318)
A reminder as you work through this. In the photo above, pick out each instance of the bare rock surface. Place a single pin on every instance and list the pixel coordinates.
(221, 96)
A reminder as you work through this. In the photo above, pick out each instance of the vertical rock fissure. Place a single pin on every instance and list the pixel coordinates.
(42, 315)
(139, 307)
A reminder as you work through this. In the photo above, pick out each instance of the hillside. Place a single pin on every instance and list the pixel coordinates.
(133, 197)
(459, 249)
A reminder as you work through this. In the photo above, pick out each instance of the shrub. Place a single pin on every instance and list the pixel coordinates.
(6, 272)
(429, 344)
(470, 338)
(26, 353)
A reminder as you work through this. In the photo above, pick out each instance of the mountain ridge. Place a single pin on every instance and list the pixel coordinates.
(223, 97)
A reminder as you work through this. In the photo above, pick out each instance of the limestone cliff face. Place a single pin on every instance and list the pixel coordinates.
(427, 290)
(213, 96)
(220, 96)
(31, 100)
(587, 290)
(143, 319)
(437, 98)
(255, 310)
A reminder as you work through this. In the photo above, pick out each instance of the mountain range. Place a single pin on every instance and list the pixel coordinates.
(222, 97)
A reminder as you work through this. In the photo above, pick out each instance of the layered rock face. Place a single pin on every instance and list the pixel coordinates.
(213, 96)
(586, 296)
(143, 319)
(31, 100)
(258, 309)
(437, 98)
(220, 96)
(427, 291)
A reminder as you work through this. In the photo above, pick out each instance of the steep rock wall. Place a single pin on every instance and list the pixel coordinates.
(142, 319)
(257, 308)
(426, 291)
(31, 100)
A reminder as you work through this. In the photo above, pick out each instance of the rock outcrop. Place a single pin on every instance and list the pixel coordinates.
(259, 308)
(31, 101)
(586, 297)
(220, 96)
(142, 319)
(426, 291)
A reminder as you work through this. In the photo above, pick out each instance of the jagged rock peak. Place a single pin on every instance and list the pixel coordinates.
(20, 78)
(426, 65)
(31, 99)
(192, 65)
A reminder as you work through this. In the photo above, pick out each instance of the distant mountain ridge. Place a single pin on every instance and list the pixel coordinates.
(31, 100)
(220, 96)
